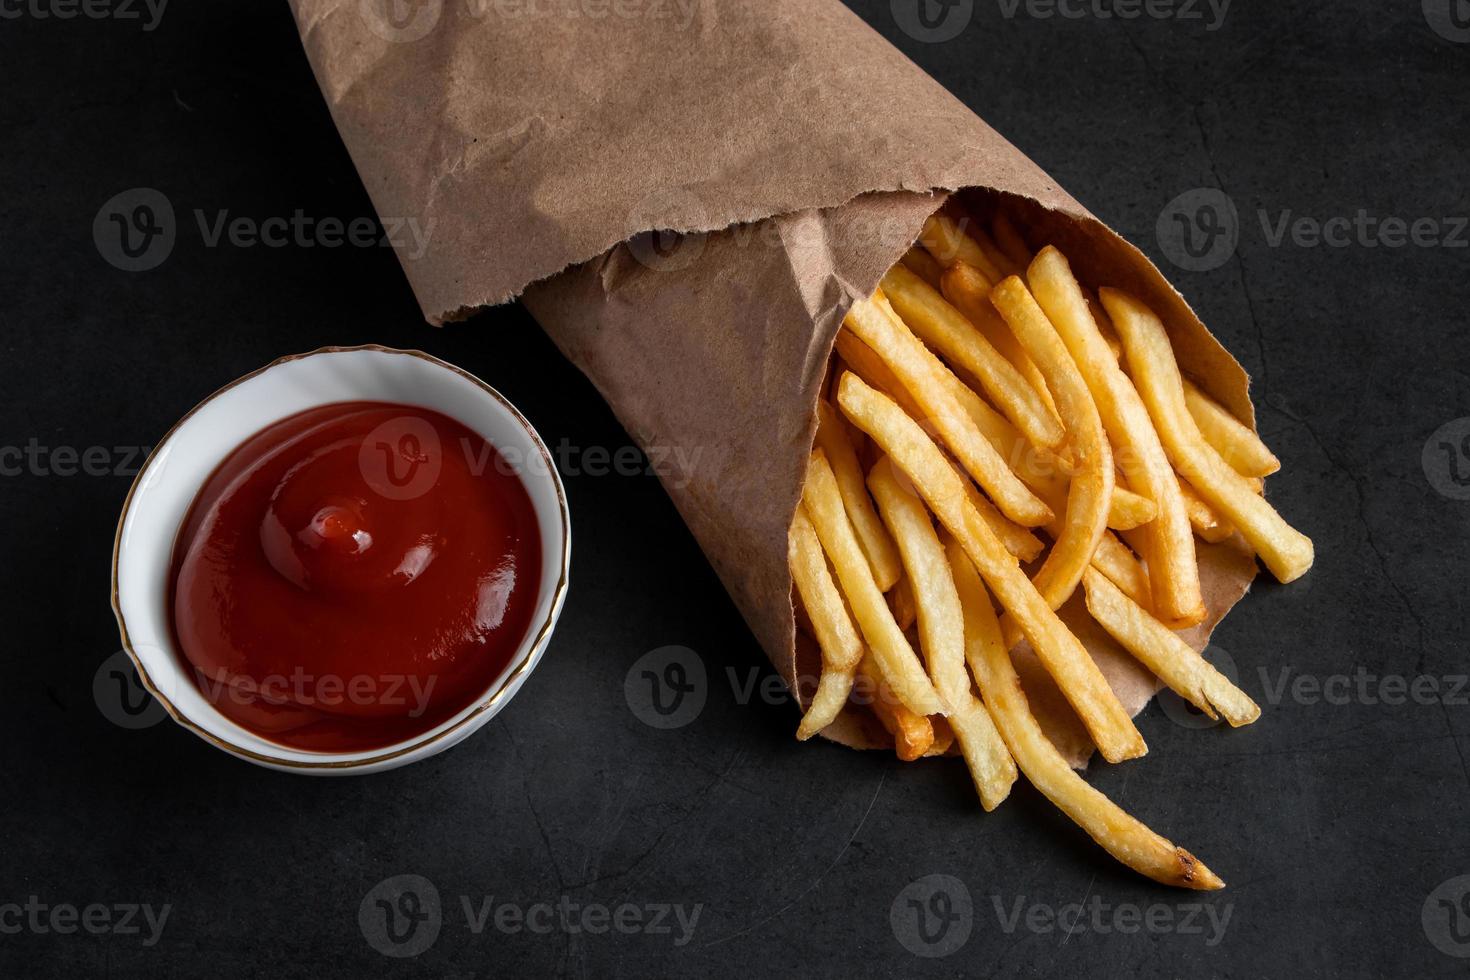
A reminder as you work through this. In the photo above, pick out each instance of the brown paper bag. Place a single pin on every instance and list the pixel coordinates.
(543, 140)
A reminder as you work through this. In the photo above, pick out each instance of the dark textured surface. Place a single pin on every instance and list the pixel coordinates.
(1334, 818)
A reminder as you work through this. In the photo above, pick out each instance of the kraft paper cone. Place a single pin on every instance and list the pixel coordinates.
(797, 151)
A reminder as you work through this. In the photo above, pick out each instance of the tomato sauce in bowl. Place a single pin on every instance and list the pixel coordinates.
(354, 575)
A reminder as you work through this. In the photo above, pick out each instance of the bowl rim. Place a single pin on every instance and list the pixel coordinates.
(507, 686)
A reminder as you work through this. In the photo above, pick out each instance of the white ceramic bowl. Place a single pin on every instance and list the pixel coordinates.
(170, 480)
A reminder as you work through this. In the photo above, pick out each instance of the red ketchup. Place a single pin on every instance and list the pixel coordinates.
(354, 575)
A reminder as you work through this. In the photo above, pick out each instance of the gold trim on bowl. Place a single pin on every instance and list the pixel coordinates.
(542, 633)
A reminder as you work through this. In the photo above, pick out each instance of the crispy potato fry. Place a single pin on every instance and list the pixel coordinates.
(942, 633)
(1209, 525)
(830, 624)
(945, 239)
(947, 330)
(916, 455)
(890, 650)
(1120, 834)
(1236, 442)
(1174, 571)
(923, 265)
(878, 548)
(1010, 240)
(943, 736)
(967, 290)
(918, 370)
(1122, 568)
(832, 627)
(1091, 491)
(1284, 550)
(1128, 510)
(1158, 648)
(913, 733)
(901, 601)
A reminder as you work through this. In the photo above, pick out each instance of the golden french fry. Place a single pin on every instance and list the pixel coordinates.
(967, 290)
(916, 455)
(945, 239)
(1128, 510)
(943, 736)
(1286, 551)
(951, 334)
(1174, 571)
(830, 624)
(895, 658)
(1091, 491)
(918, 370)
(1209, 525)
(1122, 568)
(1120, 834)
(1003, 230)
(872, 537)
(923, 265)
(1158, 648)
(1236, 442)
(942, 633)
(913, 733)
(833, 628)
(901, 601)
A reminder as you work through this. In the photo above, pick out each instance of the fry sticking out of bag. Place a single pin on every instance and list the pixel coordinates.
(919, 459)
(942, 633)
(835, 633)
(877, 546)
(1122, 835)
(896, 660)
(1284, 550)
(1168, 541)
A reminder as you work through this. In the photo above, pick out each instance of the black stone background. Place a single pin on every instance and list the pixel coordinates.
(1332, 822)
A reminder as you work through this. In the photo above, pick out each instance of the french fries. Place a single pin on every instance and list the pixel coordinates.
(1063, 656)
(1168, 542)
(1172, 660)
(1284, 550)
(896, 660)
(1091, 492)
(841, 648)
(982, 392)
(872, 538)
(1237, 444)
(1120, 834)
(942, 633)
(920, 372)
(947, 331)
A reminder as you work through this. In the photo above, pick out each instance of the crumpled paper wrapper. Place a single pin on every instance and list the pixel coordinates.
(555, 147)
